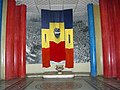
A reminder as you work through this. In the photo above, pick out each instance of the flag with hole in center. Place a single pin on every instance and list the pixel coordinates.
(57, 37)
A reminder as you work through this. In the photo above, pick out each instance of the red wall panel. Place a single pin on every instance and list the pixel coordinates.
(116, 13)
(9, 54)
(105, 38)
(110, 14)
(17, 42)
(112, 39)
(15, 55)
(23, 42)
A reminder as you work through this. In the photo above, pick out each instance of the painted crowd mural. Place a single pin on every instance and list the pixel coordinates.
(81, 42)
(33, 41)
(34, 46)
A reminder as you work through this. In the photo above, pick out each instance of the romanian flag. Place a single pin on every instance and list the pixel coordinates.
(57, 37)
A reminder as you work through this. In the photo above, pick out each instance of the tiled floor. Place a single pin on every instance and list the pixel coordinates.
(77, 83)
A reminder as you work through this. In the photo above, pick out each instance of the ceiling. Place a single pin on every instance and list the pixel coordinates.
(79, 6)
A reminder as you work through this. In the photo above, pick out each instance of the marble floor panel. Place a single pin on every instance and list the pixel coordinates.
(76, 83)
(60, 84)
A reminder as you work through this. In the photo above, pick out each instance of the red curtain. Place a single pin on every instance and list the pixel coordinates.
(105, 38)
(116, 13)
(112, 39)
(9, 53)
(110, 22)
(15, 55)
(17, 41)
(23, 42)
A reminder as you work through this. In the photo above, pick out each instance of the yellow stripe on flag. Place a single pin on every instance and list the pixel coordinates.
(45, 38)
(68, 38)
(52, 35)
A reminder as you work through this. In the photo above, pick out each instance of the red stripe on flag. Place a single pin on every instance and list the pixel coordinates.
(57, 51)
(46, 57)
(69, 58)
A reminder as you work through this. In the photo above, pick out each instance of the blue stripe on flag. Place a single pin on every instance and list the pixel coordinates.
(65, 16)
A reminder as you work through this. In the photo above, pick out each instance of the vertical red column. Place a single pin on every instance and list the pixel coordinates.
(23, 42)
(116, 12)
(105, 38)
(9, 54)
(112, 38)
(17, 41)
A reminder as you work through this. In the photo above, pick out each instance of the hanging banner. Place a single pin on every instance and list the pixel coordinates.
(57, 37)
